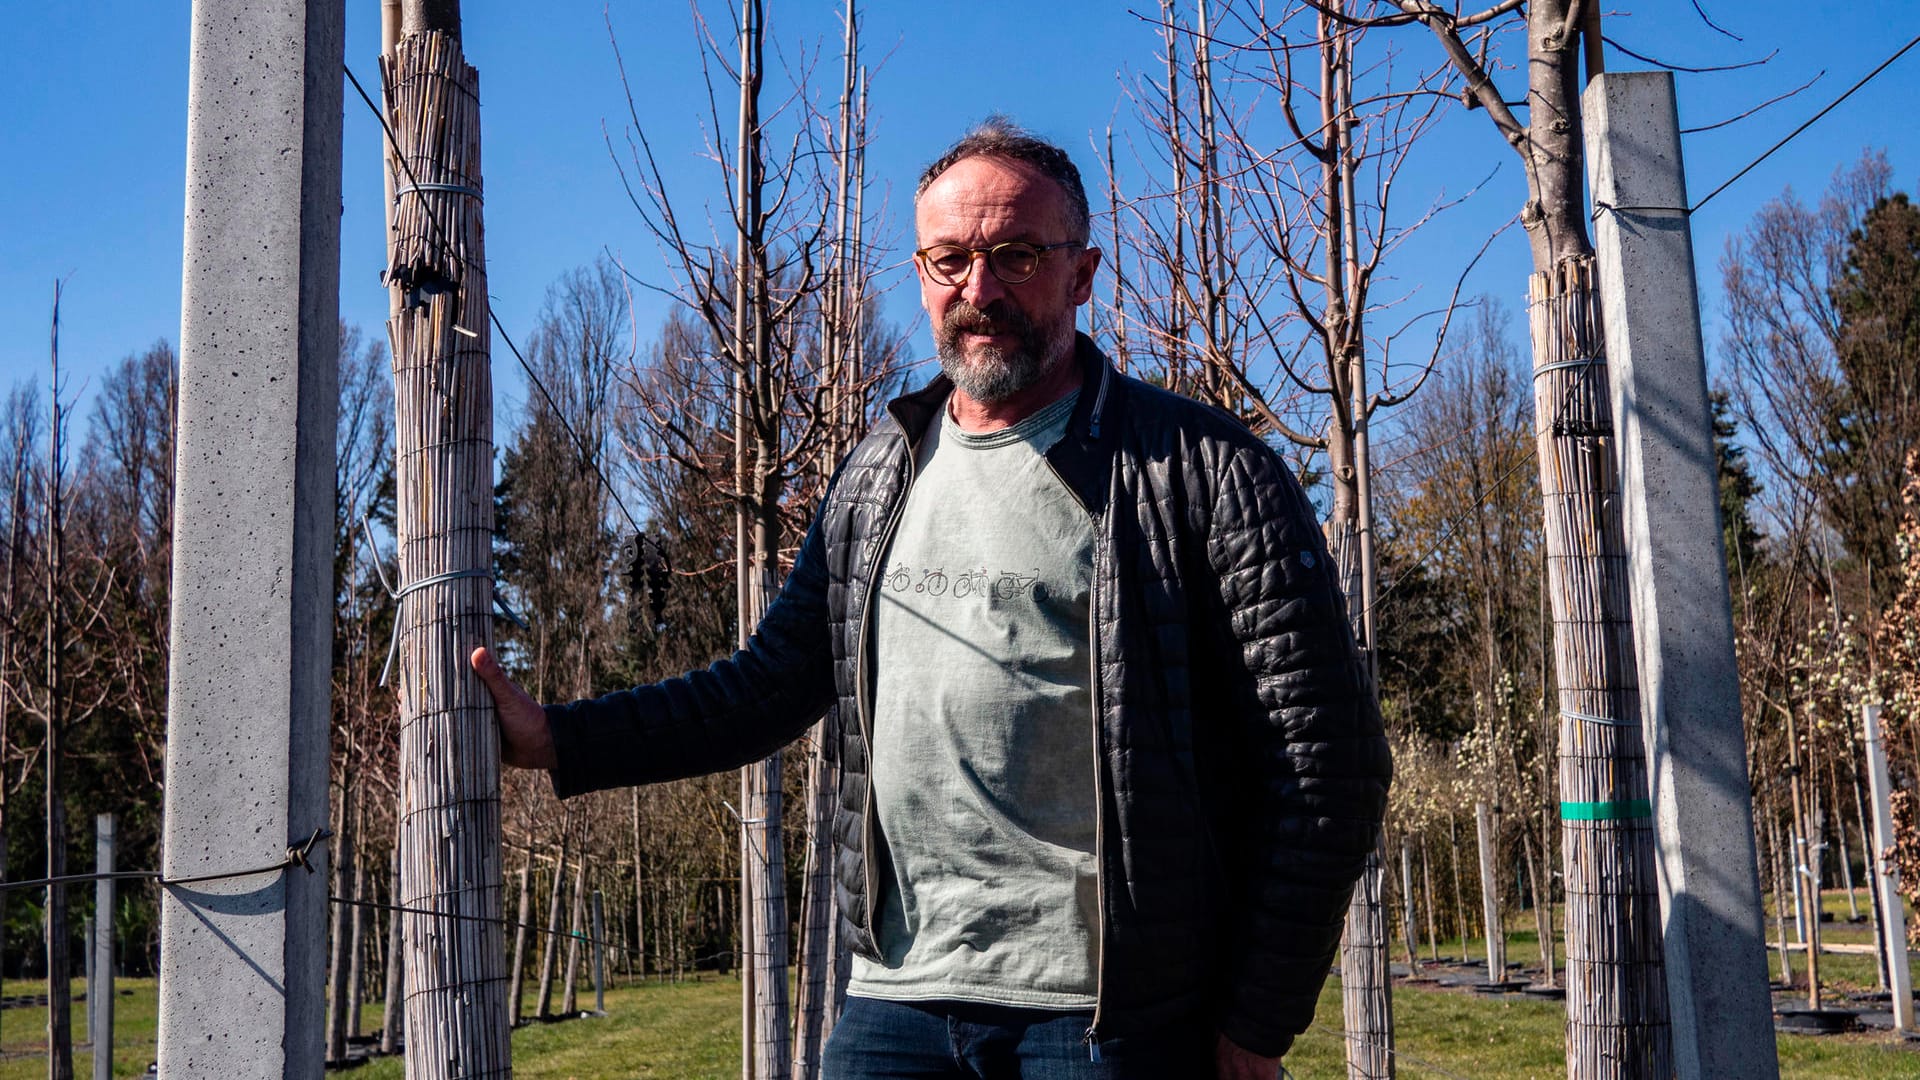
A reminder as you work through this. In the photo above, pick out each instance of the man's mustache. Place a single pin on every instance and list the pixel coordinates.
(998, 317)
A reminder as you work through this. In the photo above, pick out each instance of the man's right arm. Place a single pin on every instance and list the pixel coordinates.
(737, 711)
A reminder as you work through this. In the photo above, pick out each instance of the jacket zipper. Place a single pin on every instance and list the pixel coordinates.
(1092, 1037)
(870, 862)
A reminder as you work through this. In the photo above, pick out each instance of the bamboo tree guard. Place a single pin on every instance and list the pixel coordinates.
(1366, 989)
(455, 946)
(1617, 1021)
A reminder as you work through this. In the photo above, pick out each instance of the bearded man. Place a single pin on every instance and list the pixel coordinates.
(1110, 763)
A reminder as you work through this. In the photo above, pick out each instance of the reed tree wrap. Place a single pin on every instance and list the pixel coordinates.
(455, 946)
(1617, 1017)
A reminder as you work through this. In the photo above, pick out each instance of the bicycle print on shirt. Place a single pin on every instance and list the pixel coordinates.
(1006, 585)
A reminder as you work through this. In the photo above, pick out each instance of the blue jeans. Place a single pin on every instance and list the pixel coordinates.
(955, 1040)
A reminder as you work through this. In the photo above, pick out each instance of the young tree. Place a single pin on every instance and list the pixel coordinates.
(1253, 287)
(774, 402)
(450, 831)
(55, 714)
(1617, 1019)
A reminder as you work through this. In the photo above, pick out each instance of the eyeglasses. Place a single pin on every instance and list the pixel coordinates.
(1012, 262)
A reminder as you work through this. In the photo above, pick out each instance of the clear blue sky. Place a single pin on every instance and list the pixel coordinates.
(93, 112)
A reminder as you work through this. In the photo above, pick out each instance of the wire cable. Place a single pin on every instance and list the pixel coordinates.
(586, 456)
(296, 856)
(1791, 135)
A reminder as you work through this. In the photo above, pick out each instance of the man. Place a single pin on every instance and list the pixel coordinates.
(1110, 764)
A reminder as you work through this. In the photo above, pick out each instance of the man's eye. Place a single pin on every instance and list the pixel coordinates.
(949, 260)
(1016, 259)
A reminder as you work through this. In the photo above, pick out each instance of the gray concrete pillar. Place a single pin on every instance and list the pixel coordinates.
(1885, 876)
(242, 961)
(1683, 623)
(100, 968)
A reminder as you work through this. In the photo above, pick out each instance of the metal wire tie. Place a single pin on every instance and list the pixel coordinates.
(1592, 719)
(457, 189)
(1561, 365)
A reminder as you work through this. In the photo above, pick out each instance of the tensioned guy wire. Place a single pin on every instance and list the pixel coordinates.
(586, 456)
(296, 856)
(1791, 135)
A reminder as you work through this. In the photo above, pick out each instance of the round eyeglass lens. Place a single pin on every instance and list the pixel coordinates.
(949, 264)
(1014, 262)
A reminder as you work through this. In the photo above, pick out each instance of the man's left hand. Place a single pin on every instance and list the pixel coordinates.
(1231, 1062)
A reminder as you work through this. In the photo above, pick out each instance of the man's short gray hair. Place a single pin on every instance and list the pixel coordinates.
(999, 137)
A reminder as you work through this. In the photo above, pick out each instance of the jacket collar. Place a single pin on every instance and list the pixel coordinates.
(1083, 456)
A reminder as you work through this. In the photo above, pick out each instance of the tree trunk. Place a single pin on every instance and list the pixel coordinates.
(392, 1022)
(550, 947)
(517, 972)
(357, 950)
(1780, 883)
(455, 966)
(59, 946)
(1406, 904)
(1542, 909)
(1816, 866)
(1840, 836)
(1617, 1021)
(570, 988)
(816, 902)
(1490, 895)
(637, 950)
(765, 1044)
(1365, 982)
(1459, 895)
(1426, 876)
(338, 961)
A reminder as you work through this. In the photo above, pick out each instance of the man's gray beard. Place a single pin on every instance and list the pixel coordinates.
(994, 374)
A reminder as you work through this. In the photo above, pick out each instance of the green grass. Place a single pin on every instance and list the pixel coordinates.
(691, 1031)
(23, 1032)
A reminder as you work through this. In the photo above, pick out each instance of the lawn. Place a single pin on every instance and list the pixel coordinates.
(691, 1031)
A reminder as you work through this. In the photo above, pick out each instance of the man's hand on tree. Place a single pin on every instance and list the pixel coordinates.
(1231, 1062)
(525, 742)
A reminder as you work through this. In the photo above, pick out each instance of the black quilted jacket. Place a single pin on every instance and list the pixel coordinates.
(1243, 769)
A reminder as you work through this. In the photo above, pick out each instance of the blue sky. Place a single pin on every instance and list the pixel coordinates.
(92, 133)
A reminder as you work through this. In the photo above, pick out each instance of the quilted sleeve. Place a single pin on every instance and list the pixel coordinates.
(739, 710)
(1318, 763)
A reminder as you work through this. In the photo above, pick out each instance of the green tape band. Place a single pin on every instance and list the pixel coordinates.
(1622, 810)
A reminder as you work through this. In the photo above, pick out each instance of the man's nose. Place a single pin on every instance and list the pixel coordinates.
(982, 286)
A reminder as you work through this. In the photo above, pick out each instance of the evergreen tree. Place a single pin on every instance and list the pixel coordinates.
(1874, 415)
(1738, 488)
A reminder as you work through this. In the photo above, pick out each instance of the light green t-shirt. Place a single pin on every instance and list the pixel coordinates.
(983, 760)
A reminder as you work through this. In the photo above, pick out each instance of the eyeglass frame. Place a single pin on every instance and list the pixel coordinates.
(1041, 251)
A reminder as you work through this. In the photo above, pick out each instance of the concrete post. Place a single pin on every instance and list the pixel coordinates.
(100, 970)
(242, 961)
(1683, 624)
(1886, 876)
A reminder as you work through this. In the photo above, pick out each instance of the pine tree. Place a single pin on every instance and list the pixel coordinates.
(1874, 416)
